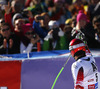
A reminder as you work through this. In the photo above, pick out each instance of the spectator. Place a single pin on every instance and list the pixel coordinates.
(96, 24)
(67, 31)
(97, 9)
(55, 39)
(40, 24)
(19, 24)
(22, 2)
(91, 9)
(85, 31)
(76, 7)
(73, 24)
(37, 7)
(9, 14)
(49, 3)
(9, 43)
(29, 40)
(16, 6)
(10, 17)
(60, 12)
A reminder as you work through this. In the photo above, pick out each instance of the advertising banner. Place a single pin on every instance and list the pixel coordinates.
(10, 74)
(40, 74)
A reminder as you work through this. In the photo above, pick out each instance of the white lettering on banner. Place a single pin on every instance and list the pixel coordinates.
(3, 88)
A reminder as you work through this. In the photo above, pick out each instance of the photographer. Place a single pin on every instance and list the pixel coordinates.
(55, 39)
(41, 24)
(29, 40)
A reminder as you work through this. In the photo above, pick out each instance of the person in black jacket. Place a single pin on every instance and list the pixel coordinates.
(9, 42)
(85, 31)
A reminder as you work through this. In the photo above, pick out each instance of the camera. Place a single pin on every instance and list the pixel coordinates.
(40, 18)
(55, 33)
(56, 30)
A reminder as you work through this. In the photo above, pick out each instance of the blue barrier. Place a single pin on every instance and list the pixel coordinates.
(43, 54)
(36, 54)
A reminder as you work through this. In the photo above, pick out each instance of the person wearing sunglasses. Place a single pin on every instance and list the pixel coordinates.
(29, 40)
(9, 42)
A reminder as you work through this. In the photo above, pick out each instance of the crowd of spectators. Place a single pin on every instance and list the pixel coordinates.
(43, 25)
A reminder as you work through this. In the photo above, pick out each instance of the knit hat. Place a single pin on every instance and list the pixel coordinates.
(15, 17)
(81, 16)
(26, 28)
(53, 24)
(68, 21)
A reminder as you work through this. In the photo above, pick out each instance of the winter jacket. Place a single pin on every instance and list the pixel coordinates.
(42, 32)
(55, 45)
(15, 48)
(87, 35)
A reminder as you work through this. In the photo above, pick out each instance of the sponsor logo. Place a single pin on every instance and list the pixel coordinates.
(91, 86)
(90, 80)
(96, 86)
(3, 88)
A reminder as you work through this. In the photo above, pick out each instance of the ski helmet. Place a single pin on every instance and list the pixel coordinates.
(76, 45)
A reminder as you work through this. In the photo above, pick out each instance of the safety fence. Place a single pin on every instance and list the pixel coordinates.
(38, 71)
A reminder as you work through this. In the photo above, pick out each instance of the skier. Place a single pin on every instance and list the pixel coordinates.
(84, 69)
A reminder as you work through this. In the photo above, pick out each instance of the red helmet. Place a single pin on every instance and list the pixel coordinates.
(76, 45)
